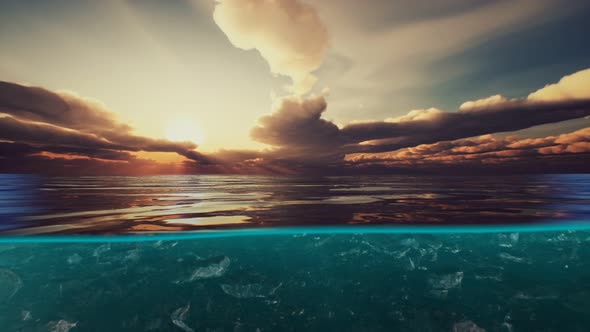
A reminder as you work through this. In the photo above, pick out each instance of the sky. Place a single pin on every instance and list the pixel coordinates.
(294, 86)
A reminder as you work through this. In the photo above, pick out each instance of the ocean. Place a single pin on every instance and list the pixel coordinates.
(242, 253)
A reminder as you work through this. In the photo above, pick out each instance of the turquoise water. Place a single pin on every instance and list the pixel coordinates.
(309, 280)
(223, 253)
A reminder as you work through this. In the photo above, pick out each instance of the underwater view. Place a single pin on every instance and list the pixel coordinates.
(299, 281)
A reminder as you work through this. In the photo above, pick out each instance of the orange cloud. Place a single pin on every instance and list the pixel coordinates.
(487, 149)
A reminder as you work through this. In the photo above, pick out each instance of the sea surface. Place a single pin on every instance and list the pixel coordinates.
(234, 253)
(114, 205)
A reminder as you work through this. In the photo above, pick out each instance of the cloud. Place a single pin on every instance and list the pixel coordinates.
(21, 158)
(300, 137)
(392, 50)
(61, 125)
(427, 114)
(12, 129)
(64, 109)
(40, 127)
(568, 152)
(574, 86)
(296, 130)
(289, 35)
(483, 103)
(569, 88)
(490, 115)
(502, 117)
(8, 150)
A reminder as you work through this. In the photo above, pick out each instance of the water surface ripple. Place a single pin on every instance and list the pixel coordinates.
(31, 205)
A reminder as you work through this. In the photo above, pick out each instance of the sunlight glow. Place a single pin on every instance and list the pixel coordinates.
(184, 130)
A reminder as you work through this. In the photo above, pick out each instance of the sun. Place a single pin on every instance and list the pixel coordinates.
(184, 130)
